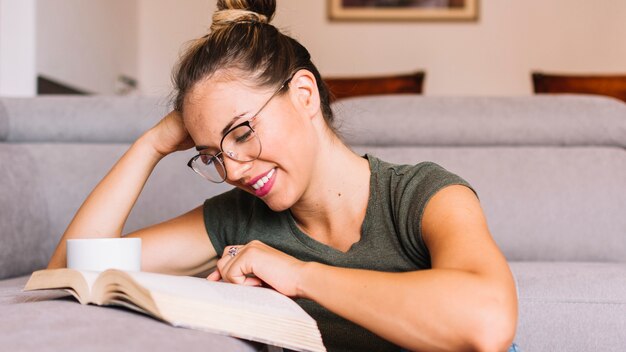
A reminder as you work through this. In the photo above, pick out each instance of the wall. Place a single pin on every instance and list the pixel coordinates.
(164, 28)
(87, 44)
(493, 56)
(17, 52)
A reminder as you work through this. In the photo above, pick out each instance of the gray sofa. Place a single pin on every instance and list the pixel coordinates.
(550, 172)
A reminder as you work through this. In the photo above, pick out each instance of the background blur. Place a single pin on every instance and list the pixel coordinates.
(97, 45)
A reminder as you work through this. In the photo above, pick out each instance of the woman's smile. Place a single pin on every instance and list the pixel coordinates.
(263, 184)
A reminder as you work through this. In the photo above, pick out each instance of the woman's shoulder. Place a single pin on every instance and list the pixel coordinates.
(423, 169)
(420, 179)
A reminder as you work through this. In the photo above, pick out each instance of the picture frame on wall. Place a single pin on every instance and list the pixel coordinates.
(403, 10)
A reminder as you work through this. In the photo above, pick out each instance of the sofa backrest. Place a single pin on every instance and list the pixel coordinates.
(85, 119)
(44, 184)
(559, 196)
(541, 120)
(550, 171)
(390, 120)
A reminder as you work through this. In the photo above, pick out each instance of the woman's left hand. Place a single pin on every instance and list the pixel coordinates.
(256, 264)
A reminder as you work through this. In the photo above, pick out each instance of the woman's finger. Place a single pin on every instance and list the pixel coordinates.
(231, 251)
(214, 276)
(236, 267)
(252, 281)
(229, 257)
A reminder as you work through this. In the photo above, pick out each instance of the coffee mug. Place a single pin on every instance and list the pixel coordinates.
(99, 254)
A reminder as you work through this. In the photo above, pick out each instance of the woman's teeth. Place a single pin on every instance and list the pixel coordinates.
(263, 180)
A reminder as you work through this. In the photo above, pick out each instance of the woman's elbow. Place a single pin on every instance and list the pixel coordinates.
(495, 330)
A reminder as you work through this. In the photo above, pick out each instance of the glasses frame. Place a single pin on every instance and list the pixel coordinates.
(217, 158)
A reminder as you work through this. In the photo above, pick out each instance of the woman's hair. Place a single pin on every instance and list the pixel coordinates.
(241, 41)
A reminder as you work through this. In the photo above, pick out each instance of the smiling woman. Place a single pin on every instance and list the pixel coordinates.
(374, 251)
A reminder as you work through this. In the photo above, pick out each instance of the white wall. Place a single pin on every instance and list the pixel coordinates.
(17, 48)
(164, 27)
(493, 56)
(87, 44)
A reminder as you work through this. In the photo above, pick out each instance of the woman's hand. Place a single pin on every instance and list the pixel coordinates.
(170, 135)
(256, 264)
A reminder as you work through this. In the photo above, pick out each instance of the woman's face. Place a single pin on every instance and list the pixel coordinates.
(288, 139)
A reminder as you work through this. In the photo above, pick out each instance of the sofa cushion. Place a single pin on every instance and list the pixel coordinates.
(410, 120)
(90, 119)
(571, 306)
(541, 203)
(45, 184)
(563, 306)
(24, 222)
(53, 321)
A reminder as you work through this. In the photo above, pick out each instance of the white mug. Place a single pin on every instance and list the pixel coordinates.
(99, 254)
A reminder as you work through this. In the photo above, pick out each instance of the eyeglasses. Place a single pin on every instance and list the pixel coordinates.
(240, 143)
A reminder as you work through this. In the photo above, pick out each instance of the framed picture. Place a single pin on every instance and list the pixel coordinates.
(403, 10)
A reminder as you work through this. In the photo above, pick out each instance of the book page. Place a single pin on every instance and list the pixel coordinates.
(78, 283)
(259, 300)
(90, 277)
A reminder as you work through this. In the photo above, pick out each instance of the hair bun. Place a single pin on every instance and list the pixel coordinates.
(236, 11)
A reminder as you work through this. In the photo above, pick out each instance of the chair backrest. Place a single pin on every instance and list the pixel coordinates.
(609, 85)
(344, 87)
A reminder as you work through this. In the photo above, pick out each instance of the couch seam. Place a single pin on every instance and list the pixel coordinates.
(572, 302)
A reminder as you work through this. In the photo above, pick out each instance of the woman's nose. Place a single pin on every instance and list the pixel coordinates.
(235, 170)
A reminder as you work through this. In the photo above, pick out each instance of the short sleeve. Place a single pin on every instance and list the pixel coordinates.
(225, 217)
(415, 186)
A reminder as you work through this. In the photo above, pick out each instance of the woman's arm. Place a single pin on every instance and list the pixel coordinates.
(105, 211)
(467, 301)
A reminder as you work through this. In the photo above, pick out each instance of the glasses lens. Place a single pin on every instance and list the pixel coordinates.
(210, 167)
(242, 144)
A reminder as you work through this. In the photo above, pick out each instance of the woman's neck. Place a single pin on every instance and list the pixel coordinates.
(333, 207)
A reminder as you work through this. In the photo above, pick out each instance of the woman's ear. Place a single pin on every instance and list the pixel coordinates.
(305, 93)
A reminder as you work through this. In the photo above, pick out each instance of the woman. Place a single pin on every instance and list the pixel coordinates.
(349, 237)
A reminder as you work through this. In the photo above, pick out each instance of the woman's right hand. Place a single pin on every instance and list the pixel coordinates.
(170, 135)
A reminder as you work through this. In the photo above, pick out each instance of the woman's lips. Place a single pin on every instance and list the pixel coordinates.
(263, 184)
(256, 179)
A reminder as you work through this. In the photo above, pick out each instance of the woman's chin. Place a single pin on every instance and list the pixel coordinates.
(278, 202)
(276, 206)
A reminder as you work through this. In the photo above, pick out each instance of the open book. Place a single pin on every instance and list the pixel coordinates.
(253, 313)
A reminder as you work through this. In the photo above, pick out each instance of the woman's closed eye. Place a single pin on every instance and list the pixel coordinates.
(243, 137)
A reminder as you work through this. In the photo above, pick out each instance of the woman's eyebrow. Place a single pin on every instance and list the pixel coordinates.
(225, 130)
(232, 122)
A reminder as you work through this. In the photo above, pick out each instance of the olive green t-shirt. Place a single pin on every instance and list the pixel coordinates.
(391, 238)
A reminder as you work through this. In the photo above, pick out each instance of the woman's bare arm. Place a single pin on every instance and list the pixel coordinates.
(105, 211)
(467, 301)
(179, 246)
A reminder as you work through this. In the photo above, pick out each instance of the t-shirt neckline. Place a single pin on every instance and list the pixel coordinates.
(322, 248)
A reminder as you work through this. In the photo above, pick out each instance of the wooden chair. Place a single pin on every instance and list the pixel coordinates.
(610, 85)
(343, 87)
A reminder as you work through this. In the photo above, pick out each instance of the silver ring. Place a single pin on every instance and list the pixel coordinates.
(232, 251)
